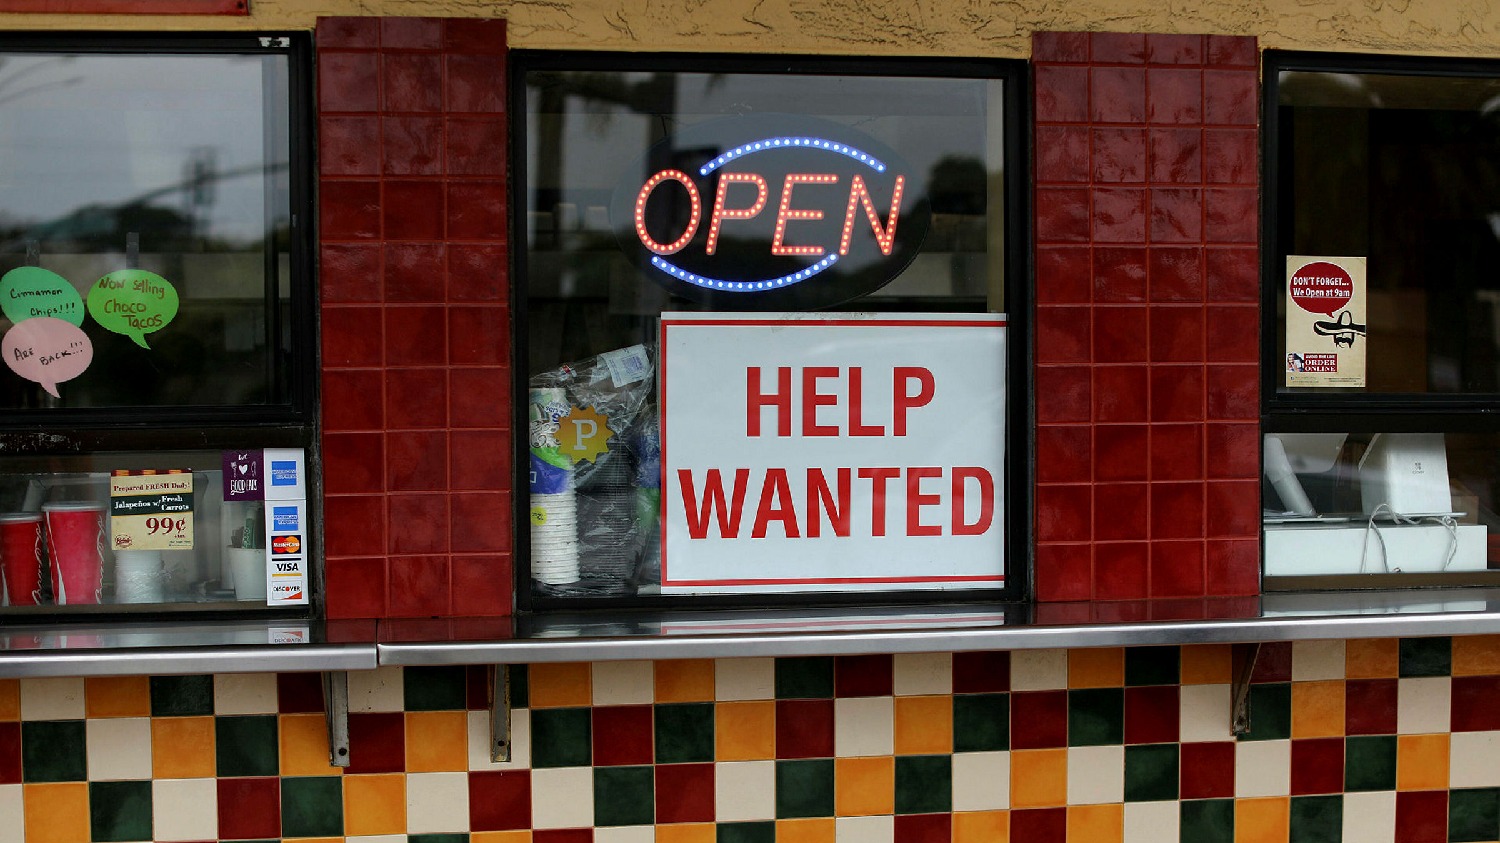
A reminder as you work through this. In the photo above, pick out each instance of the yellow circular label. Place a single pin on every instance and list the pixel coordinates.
(538, 515)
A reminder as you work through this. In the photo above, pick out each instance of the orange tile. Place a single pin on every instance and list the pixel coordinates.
(924, 725)
(981, 827)
(1371, 658)
(1422, 762)
(437, 741)
(1096, 823)
(117, 696)
(864, 786)
(57, 813)
(1476, 655)
(1318, 709)
(1207, 664)
(745, 731)
(375, 804)
(685, 680)
(683, 833)
(1038, 778)
(1266, 820)
(1102, 667)
(304, 746)
(10, 699)
(818, 830)
(183, 748)
(504, 837)
(559, 685)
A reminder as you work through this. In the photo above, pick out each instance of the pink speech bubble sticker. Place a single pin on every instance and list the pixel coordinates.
(48, 351)
(1321, 287)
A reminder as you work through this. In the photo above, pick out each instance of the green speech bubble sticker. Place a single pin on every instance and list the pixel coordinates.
(28, 292)
(133, 302)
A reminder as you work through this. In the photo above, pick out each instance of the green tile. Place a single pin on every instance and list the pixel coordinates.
(759, 832)
(1426, 656)
(437, 838)
(1206, 821)
(804, 678)
(520, 686)
(1096, 717)
(182, 696)
(1151, 772)
(1317, 819)
(54, 751)
(924, 784)
(684, 733)
(434, 688)
(1473, 814)
(1270, 712)
(1370, 762)
(804, 788)
(119, 811)
(247, 746)
(561, 737)
(981, 722)
(312, 806)
(624, 796)
(1152, 665)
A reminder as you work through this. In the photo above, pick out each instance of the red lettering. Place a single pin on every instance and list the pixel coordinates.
(906, 401)
(720, 213)
(857, 427)
(962, 474)
(786, 212)
(820, 496)
(713, 502)
(885, 236)
(812, 399)
(915, 500)
(879, 478)
(776, 490)
(640, 211)
(781, 399)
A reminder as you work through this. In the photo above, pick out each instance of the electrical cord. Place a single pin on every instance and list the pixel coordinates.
(1397, 518)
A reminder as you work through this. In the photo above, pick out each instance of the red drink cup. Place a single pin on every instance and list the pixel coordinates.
(21, 554)
(75, 545)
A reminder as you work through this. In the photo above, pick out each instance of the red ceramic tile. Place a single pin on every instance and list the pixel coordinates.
(356, 587)
(482, 585)
(476, 210)
(684, 793)
(1207, 770)
(1232, 50)
(474, 35)
(1062, 513)
(1229, 156)
(344, 81)
(1062, 94)
(1121, 452)
(1177, 274)
(1176, 156)
(349, 146)
(1177, 393)
(1422, 816)
(411, 33)
(348, 33)
(862, 676)
(981, 672)
(479, 460)
(1230, 214)
(1232, 275)
(1174, 49)
(350, 631)
(1131, 611)
(499, 800)
(1176, 510)
(1473, 703)
(476, 146)
(1177, 452)
(1119, 155)
(413, 146)
(1120, 334)
(477, 272)
(1120, 274)
(563, 835)
(1063, 572)
(1121, 511)
(1064, 453)
(478, 335)
(1273, 663)
(1062, 394)
(418, 586)
(415, 272)
(481, 522)
(1039, 825)
(622, 735)
(480, 397)
(1043, 718)
(418, 523)
(1231, 335)
(349, 273)
(1236, 450)
(353, 399)
(1062, 274)
(1120, 394)
(10, 753)
(1177, 569)
(416, 398)
(1176, 215)
(1174, 96)
(1233, 392)
(352, 462)
(1060, 47)
(352, 336)
(1062, 334)
(1151, 714)
(1062, 215)
(924, 828)
(1119, 215)
(1233, 508)
(381, 738)
(1117, 94)
(1317, 766)
(412, 82)
(1176, 334)
(416, 461)
(1121, 571)
(249, 808)
(1118, 48)
(1233, 566)
(349, 210)
(804, 728)
(299, 693)
(413, 210)
(1062, 154)
(1048, 614)
(1370, 706)
(416, 335)
(476, 84)
(1230, 98)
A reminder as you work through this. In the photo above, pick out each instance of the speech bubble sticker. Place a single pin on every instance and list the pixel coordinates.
(47, 350)
(1321, 287)
(133, 302)
(28, 292)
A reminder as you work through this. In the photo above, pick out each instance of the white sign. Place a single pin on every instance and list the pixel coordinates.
(832, 452)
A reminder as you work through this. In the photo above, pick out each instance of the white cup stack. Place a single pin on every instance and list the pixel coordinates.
(554, 506)
(139, 576)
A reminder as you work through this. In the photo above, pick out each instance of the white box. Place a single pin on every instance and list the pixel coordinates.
(1294, 550)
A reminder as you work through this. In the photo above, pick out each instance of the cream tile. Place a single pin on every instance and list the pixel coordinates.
(376, 690)
(1312, 660)
(185, 809)
(438, 803)
(864, 726)
(247, 693)
(1262, 768)
(626, 834)
(52, 699)
(1423, 705)
(12, 815)
(745, 679)
(1096, 775)
(744, 790)
(981, 781)
(864, 829)
(1471, 759)
(1370, 817)
(1152, 822)
(562, 797)
(624, 683)
(119, 748)
(1038, 670)
(520, 741)
(915, 674)
(1203, 713)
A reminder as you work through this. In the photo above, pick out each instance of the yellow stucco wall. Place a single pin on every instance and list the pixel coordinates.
(981, 28)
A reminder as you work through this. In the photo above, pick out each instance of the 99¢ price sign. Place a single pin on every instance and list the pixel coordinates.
(151, 511)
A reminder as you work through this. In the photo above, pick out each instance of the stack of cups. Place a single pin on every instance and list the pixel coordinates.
(139, 576)
(21, 553)
(75, 546)
(554, 506)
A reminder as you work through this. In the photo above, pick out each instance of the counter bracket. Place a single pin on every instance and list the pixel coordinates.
(500, 714)
(1243, 658)
(336, 710)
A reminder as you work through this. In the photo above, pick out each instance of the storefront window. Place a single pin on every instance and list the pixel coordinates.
(764, 329)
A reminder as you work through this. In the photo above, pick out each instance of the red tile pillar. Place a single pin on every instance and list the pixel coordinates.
(1147, 289)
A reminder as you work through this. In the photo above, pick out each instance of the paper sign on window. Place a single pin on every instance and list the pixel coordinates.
(1325, 321)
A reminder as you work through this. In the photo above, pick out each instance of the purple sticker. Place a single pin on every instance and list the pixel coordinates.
(244, 476)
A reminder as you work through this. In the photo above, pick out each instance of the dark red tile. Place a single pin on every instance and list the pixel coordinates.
(563, 835)
(474, 35)
(1232, 50)
(1230, 214)
(352, 336)
(1118, 48)
(1177, 510)
(349, 146)
(981, 672)
(1370, 706)
(1062, 154)
(416, 461)
(684, 793)
(1039, 825)
(1236, 450)
(416, 335)
(1119, 215)
(1232, 275)
(477, 272)
(1060, 47)
(804, 728)
(381, 738)
(418, 523)
(480, 460)
(1176, 452)
(1228, 341)
(418, 586)
(1422, 816)
(1120, 511)
(413, 210)
(1040, 719)
(1177, 393)
(622, 735)
(1120, 394)
(299, 693)
(478, 335)
(1120, 612)
(398, 33)
(1233, 566)
(1176, 156)
(1120, 334)
(1062, 94)
(862, 676)
(476, 210)
(1121, 452)
(1063, 274)
(1233, 392)
(413, 146)
(345, 81)
(353, 462)
(356, 587)
(1230, 98)
(924, 828)
(1075, 612)
(1174, 49)
(1062, 394)
(1174, 96)
(1062, 215)
(416, 398)
(1151, 714)
(1117, 94)
(1121, 571)
(1119, 155)
(413, 82)
(353, 399)
(476, 84)
(10, 753)
(1207, 770)
(1317, 766)
(499, 800)
(1233, 508)
(1120, 274)
(349, 273)
(1273, 663)
(1177, 334)
(415, 272)
(1062, 334)
(1473, 703)
(348, 33)
(1177, 275)
(349, 210)
(249, 808)
(1176, 215)
(481, 522)
(482, 585)
(1064, 453)
(1063, 572)
(1177, 569)
(478, 396)
(478, 680)
(1062, 513)
(1229, 156)
(476, 146)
